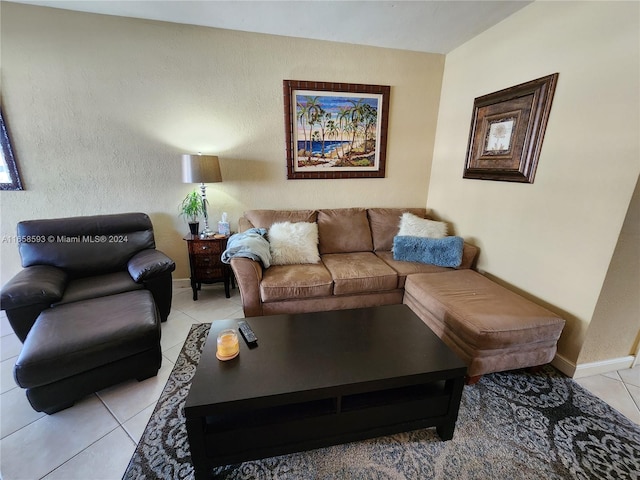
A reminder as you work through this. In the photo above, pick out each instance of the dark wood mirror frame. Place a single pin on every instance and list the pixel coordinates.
(8, 163)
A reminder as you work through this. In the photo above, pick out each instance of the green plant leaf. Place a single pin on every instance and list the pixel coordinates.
(192, 207)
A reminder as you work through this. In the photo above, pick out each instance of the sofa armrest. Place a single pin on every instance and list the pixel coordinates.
(469, 256)
(244, 224)
(39, 284)
(248, 275)
(148, 264)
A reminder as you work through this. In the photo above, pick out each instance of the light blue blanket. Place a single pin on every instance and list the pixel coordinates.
(249, 244)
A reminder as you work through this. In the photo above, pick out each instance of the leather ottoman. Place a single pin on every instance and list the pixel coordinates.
(79, 348)
(490, 327)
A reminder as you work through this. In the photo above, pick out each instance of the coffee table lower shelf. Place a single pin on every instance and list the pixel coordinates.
(307, 420)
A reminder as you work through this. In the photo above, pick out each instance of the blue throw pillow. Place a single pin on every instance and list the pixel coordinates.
(443, 252)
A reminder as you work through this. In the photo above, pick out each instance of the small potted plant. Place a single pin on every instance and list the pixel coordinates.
(191, 208)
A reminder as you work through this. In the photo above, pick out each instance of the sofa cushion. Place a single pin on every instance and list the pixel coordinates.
(98, 286)
(408, 268)
(266, 218)
(385, 223)
(293, 243)
(483, 314)
(344, 230)
(359, 272)
(412, 226)
(292, 282)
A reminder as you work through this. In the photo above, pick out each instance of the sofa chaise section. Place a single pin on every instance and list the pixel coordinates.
(490, 327)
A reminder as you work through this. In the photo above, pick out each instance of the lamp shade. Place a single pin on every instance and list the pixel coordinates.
(200, 169)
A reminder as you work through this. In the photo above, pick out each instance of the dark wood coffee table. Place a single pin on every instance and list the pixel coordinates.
(319, 379)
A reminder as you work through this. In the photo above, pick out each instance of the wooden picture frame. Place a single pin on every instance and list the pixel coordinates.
(507, 129)
(9, 174)
(335, 130)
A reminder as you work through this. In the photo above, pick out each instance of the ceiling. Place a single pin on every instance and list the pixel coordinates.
(418, 25)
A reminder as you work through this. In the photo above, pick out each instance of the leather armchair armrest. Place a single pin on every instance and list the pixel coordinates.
(148, 264)
(248, 275)
(39, 284)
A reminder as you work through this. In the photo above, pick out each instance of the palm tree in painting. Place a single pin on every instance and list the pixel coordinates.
(370, 119)
(332, 130)
(323, 119)
(355, 118)
(301, 115)
(343, 119)
(313, 114)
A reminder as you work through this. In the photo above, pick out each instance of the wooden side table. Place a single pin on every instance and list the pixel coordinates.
(205, 262)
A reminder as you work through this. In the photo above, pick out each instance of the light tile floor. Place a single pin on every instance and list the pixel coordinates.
(619, 389)
(95, 439)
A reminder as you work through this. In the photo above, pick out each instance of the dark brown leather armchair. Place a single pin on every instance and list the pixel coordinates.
(69, 260)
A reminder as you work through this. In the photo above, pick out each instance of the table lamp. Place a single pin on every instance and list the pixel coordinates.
(201, 169)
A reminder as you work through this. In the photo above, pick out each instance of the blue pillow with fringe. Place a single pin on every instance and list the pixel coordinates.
(443, 252)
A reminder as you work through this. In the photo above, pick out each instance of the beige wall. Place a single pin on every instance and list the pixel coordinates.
(101, 108)
(553, 239)
(619, 298)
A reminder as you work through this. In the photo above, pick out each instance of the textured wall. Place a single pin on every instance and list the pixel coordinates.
(614, 330)
(101, 108)
(555, 238)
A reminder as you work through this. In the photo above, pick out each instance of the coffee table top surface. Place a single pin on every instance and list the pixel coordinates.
(302, 353)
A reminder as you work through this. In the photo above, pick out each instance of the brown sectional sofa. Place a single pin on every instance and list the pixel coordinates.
(357, 268)
(490, 327)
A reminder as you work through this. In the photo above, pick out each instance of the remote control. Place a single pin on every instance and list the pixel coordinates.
(247, 334)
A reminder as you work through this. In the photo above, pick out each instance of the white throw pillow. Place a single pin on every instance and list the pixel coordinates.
(414, 226)
(293, 243)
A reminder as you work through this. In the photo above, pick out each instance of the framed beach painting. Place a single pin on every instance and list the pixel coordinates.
(335, 130)
(507, 129)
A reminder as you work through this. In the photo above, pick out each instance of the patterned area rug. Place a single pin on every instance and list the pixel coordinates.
(511, 425)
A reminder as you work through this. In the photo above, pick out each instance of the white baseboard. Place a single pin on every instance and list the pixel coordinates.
(604, 366)
(564, 365)
(594, 368)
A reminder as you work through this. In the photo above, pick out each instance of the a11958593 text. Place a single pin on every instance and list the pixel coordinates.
(64, 239)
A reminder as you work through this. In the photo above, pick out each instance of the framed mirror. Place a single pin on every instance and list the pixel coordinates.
(9, 175)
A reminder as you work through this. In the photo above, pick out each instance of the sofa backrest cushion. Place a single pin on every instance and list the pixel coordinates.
(385, 223)
(84, 246)
(266, 218)
(344, 230)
